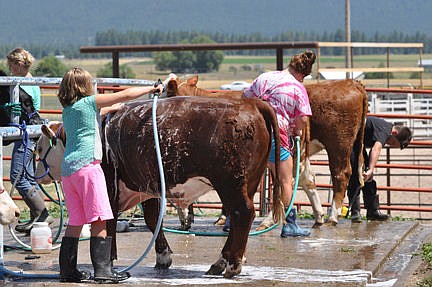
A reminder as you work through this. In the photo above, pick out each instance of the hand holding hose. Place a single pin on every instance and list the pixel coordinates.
(159, 87)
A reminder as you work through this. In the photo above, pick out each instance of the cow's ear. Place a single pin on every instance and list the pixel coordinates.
(48, 132)
(192, 81)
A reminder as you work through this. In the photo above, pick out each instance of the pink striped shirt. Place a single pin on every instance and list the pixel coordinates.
(286, 95)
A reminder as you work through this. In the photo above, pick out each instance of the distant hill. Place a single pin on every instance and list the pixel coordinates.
(77, 22)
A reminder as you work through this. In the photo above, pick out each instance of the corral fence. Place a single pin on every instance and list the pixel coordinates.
(408, 108)
(279, 48)
(15, 132)
(413, 164)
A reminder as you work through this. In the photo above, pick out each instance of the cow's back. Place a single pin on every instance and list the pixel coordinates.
(336, 105)
(213, 138)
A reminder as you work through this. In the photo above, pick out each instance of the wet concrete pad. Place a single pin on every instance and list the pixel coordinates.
(347, 254)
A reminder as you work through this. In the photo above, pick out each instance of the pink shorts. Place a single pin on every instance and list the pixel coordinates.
(86, 195)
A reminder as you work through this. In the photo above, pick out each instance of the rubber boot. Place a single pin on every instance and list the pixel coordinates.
(26, 227)
(371, 201)
(68, 262)
(38, 211)
(355, 210)
(291, 228)
(100, 254)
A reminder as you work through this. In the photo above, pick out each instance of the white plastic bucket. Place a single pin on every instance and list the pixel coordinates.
(41, 238)
(85, 231)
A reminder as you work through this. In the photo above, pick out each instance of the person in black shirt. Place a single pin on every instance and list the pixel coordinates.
(378, 133)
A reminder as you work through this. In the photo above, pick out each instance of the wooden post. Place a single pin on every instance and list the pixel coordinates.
(348, 39)
(279, 59)
(116, 65)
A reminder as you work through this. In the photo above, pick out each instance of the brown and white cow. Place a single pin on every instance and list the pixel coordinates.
(338, 117)
(221, 140)
(9, 212)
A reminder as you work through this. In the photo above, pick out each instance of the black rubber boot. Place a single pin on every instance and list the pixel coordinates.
(38, 211)
(371, 201)
(68, 262)
(355, 210)
(100, 253)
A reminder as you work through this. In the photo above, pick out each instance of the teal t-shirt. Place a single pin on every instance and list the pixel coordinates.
(83, 145)
(35, 93)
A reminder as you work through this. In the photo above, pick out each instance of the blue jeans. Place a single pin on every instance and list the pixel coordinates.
(26, 181)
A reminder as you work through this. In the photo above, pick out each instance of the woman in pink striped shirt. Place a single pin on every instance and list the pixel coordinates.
(285, 92)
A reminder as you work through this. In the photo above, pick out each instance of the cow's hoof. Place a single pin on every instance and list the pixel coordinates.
(331, 223)
(232, 270)
(217, 268)
(266, 224)
(185, 226)
(163, 260)
(164, 266)
(317, 225)
(220, 221)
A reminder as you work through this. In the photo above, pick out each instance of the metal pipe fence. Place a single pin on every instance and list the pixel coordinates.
(402, 162)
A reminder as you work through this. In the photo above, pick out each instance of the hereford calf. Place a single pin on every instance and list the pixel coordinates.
(225, 141)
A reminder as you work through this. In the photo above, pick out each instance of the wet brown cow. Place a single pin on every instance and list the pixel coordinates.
(338, 117)
(221, 140)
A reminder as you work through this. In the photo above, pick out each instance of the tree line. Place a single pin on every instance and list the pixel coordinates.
(114, 37)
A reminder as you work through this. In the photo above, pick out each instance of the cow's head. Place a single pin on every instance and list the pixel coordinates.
(9, 212)
(50, 148)
(174, 86)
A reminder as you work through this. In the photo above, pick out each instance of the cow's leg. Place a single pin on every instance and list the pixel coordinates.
(163, 251)
(317, 209)
(267, 222)
(241, 216)
(112, 183)
(340, 176)
(307, 182)
(186, 217)
(111, 231)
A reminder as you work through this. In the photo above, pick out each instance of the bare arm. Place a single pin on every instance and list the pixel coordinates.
(106, 100)
(113, 108)
(373, 159)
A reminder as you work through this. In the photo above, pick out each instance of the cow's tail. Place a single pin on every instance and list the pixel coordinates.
(360, 134)
(271, 120)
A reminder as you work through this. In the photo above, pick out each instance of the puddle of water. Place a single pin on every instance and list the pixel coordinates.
(194, 275)
(388, 283)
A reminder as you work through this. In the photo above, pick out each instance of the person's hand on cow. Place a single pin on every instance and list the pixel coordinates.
(159, 89)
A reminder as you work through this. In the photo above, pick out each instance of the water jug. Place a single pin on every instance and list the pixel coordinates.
(41, 238)
(85, 231)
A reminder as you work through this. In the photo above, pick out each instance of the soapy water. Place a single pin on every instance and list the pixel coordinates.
(252, 276)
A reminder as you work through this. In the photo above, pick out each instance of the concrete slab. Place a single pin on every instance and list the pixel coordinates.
(348, 254)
